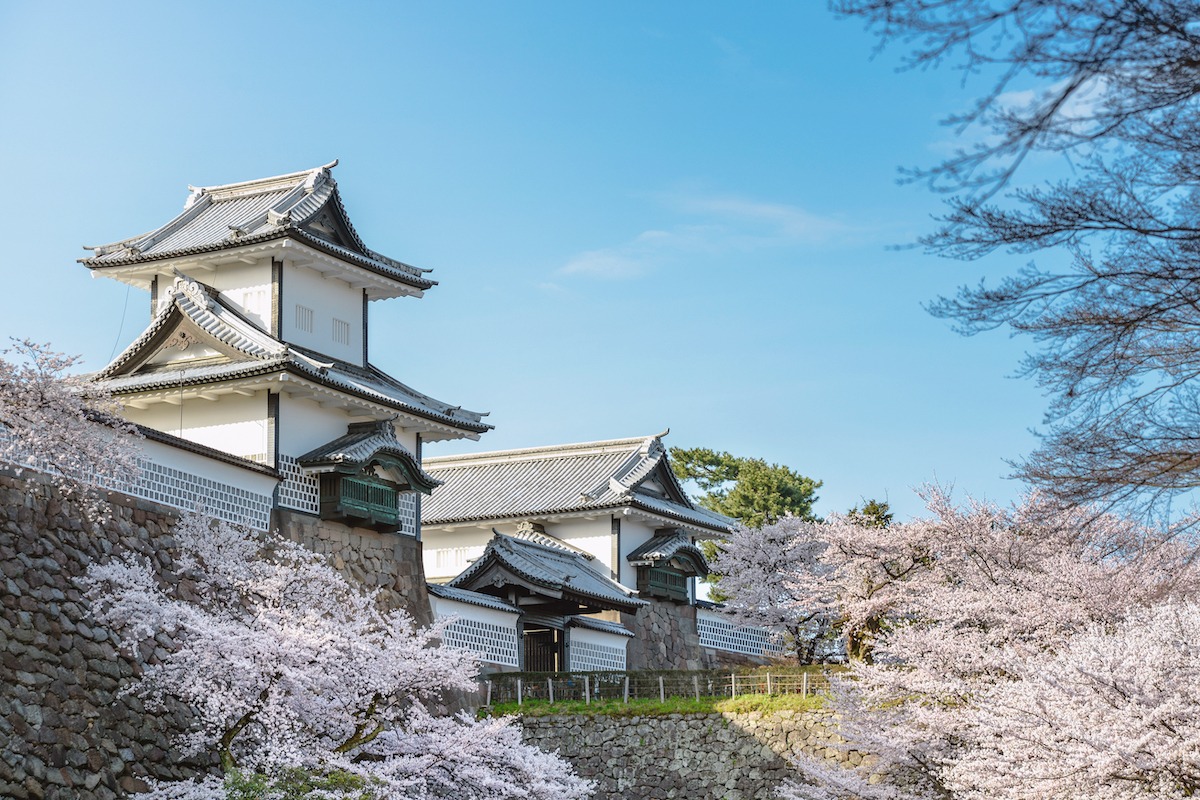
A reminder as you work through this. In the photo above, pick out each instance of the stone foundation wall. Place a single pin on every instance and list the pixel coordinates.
(665, 637)
(387, 561)
(692, 756)
(65, 730)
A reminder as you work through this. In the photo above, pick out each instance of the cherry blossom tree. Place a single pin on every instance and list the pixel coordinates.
(801, 578)
(1005, 652)
(289, 667)
(62, 424)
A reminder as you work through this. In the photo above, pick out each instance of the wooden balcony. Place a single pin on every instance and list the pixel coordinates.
(663, 582)
(360, 501)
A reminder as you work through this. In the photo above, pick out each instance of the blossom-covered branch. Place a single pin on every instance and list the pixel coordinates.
(286, 665)
(62, 424)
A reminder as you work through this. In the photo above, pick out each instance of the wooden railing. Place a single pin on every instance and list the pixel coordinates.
(367, 502)
(639, 685)
(666, 583)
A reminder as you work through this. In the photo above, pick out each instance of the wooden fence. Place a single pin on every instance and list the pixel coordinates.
(625, 686)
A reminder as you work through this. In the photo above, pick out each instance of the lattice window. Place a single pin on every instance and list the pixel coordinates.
(341, 331)
(721, 635)
(304, 318)
(297, 490)
(495, 644)
(589, 656)
(174, 487)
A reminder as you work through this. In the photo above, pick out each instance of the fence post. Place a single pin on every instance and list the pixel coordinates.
(550, 686)
(804, 686)
(770, 688)
(733, 684)
(489, 690)
(519, 692)
(662, 692)
(696, 686)
(587, 690)
(626, 687)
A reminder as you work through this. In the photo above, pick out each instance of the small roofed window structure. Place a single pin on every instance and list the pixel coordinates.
(362, 475)
(665, 563)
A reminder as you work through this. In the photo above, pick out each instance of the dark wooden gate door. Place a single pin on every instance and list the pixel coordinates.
(541, 651)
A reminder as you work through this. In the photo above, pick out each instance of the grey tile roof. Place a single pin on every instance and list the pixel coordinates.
(553, 568)
(250, 212)
(363, 442)
(602, 625)
(662, 548)
(256, 352)
(543, 481)
(474, 598)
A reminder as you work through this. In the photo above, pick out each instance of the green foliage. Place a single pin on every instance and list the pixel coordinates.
(748, 489)
(296, 784)
(873, 514)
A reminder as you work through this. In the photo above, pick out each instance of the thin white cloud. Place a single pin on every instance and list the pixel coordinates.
(725, 224)
(778, 220)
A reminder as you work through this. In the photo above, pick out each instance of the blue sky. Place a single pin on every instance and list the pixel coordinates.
(641, 215)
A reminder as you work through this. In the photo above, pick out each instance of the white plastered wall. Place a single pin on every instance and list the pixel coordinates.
(245, 286)
(606, 651)
(443, 607)
(333, 304)
(590, 535)
(634, 533)
(490, 633)
(449, 552)
(233, 423)
(304, 424)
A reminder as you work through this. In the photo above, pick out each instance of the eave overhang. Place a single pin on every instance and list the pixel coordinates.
(652, 518)
(500, 566)
(283, 376)
(365, 446)
(301, 249)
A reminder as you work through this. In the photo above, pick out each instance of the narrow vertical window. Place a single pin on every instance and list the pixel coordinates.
(304, 318)
(341, 331)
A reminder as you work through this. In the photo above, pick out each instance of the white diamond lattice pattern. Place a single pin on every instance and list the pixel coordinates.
(495, 644)
(589, 657)
(297, 490)
(190, 492)
(721, 635)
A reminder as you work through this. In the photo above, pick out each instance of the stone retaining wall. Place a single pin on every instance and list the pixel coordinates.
(665, 636)
(65, 729)
(693, 756)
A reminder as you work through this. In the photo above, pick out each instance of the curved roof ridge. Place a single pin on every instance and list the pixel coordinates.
(265, 184)
(546, 540)
(523, 453)
(549, 567)
(361, 443)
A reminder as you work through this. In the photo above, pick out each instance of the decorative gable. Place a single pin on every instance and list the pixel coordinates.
(193, 328)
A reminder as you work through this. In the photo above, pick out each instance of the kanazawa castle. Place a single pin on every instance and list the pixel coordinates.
(254, 385)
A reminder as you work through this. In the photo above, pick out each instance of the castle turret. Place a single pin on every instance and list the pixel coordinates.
(259, 343)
